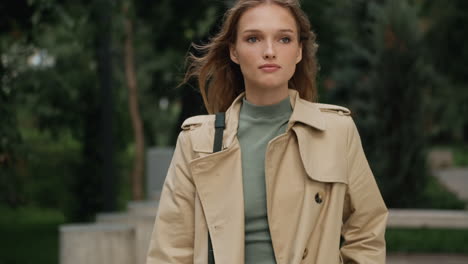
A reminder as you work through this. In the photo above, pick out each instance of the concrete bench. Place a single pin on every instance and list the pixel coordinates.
(140, 216)
(413, 218)
(97, 244)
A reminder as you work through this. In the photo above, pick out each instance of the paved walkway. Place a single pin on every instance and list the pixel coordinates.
(456, 180)
(426, 259)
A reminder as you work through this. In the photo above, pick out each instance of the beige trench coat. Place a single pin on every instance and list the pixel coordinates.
(318, 185)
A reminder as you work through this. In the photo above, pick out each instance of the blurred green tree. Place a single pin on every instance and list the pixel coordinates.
(15, 26)
(164, 31)
(374, 55)
(58, 92)
(384, 76)
(447, 37)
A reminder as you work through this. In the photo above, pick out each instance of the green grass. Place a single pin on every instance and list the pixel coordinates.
(29, 235)
(427, 240)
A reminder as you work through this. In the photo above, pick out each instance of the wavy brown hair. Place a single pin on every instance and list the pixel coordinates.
(220, 80)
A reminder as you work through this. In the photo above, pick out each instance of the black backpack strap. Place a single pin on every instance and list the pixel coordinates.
(219, 128)
(217, 146)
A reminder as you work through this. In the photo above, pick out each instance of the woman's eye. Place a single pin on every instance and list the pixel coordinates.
(252, 39)
(285, 40)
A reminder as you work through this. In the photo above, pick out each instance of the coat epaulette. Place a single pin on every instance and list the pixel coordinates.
(195, 121)
(340, 110)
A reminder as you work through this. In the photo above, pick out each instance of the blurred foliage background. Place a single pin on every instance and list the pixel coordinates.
(66, 139)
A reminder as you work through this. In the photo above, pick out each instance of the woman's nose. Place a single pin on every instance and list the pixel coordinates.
(269, 52)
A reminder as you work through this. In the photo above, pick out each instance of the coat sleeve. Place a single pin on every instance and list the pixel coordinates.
(173, 233)
(365, 213)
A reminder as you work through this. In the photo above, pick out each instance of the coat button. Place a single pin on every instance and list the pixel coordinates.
(306, 251)
(319, 198)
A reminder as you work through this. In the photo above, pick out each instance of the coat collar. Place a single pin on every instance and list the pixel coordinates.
(303, 112)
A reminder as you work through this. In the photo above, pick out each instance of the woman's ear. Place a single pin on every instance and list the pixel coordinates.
(233, 54)
(299, 53)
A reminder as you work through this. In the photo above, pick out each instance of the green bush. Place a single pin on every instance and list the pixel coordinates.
(29, 235)
(49, 165)
(460, 155)
(384, 77)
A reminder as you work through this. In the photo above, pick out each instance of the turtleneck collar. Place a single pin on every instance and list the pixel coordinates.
(283, 108)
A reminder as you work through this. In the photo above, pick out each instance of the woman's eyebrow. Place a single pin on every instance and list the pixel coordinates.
(259, 31)
(252, 31)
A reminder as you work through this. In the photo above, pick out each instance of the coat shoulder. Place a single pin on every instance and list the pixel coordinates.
(338, 118)
(335, 109)
(197, 121)
(200, 132)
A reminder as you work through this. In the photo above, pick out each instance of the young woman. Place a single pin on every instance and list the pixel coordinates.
(291, 179)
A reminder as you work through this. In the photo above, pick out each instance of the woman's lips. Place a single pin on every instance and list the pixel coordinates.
(269, 67)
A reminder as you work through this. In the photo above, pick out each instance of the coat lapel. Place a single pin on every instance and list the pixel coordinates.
(221, 195)
(318, 155)
(218, 180)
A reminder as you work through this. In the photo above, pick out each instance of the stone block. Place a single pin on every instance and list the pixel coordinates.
(119, 218)
(412, 218)
(97, 244)
(157, 164)
(440, 158)
(141, 216)
(144, 230)
(148, 208)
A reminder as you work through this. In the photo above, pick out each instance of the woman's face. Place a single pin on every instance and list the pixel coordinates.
(267, 47)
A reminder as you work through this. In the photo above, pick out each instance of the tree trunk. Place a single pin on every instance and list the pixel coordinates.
(137, 124)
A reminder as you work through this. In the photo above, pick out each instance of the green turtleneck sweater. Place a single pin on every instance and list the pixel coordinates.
(257, 126)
